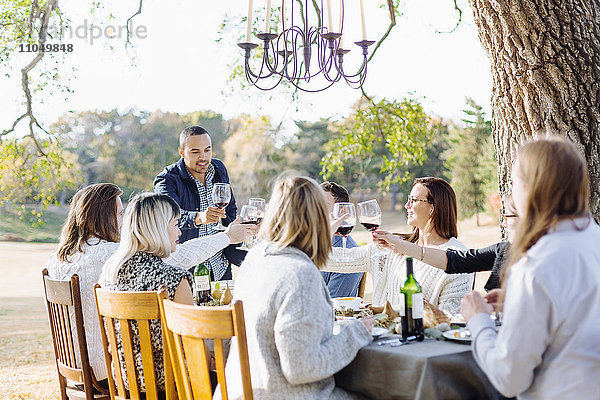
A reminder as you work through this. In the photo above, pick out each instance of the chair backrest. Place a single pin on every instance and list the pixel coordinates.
(63, 304)
(125, 308)
(187, 327)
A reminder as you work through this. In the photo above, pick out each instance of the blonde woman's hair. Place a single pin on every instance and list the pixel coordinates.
(297, 216)
(144, 229)
(93, 213)
(558, 187)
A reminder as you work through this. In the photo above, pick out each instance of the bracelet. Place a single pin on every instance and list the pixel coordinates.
(422, 253)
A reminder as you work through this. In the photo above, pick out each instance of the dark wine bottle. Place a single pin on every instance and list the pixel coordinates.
(201, 285)
(412, 322)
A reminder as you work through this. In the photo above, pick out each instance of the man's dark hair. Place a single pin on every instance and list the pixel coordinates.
(339, 193)
(191, 131)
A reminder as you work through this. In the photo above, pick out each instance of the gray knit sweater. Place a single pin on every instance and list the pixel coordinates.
(289, 324)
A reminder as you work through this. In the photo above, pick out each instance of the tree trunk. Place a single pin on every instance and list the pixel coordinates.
(545, 61)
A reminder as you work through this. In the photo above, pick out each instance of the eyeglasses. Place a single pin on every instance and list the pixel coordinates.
(412, 200)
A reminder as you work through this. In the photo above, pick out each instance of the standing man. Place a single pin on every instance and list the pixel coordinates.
(190, 182)
(339, 284)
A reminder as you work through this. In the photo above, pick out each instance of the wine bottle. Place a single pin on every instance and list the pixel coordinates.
(412, 322)
(201, 285)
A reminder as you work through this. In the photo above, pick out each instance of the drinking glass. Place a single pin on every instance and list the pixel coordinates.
(346, 227)
(369, 215)
(248, 215)
(260, 212)
(221, 196)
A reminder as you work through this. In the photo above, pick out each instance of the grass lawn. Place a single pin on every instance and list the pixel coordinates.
(13, 228)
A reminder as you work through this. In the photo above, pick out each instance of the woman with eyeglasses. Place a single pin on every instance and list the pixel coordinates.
(431, 211)
(454, 261)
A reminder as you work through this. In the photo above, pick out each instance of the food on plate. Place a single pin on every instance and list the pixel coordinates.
(433, 316)
(387, 309)
(216, 294)
(344, 312)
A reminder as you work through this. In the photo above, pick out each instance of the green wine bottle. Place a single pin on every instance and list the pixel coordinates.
(201, 285)
(412, 322)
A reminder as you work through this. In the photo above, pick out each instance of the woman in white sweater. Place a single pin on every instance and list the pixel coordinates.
(288, 312)
(431, 211)
(90, 236)
(549, 343)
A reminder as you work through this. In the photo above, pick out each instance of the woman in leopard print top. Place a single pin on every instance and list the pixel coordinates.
(150, 232)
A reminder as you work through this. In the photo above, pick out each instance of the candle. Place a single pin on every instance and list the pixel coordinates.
(341, 15)
(362, 18)
(268, 20)
(283, 14)
(249, 24)
(330, 27)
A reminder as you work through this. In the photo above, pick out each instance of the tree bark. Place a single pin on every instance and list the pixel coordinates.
(545, 62)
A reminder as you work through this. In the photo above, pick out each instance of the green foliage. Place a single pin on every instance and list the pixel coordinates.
(306, 149)
(379, 144)
(471, 160)
(251, 157)
(27, 178)
(17, 227)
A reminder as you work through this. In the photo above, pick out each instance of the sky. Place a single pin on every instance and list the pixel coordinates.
(179, 66)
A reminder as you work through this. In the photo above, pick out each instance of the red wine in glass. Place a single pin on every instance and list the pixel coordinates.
(221, 205)
(253, 222)
(370, 227)
(345, 230)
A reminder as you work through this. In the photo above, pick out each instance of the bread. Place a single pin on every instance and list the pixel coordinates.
(433, 316)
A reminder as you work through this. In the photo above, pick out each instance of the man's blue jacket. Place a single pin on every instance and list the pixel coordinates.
(176, 182)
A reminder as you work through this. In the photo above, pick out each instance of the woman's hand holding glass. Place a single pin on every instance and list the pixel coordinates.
(237, 232)
(248, 216)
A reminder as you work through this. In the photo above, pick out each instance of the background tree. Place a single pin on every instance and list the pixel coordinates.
(380, 141)
(471, 162)
(544, 58)
(251, 158)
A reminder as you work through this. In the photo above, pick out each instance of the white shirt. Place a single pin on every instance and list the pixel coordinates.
(549, 344)
(88, 263)
(388, 270)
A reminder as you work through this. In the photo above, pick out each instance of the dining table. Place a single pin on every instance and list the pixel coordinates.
(427, 370)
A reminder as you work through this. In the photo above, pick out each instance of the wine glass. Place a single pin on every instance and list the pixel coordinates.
(369, 215)
(260, 212)
(346, 227)
(248, 215)
(221, 196)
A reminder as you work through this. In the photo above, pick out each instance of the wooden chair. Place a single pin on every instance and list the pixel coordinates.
(63, 299)
(187, 327)
(127, 307)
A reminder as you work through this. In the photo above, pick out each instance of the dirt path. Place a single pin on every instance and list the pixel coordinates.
(27, 369)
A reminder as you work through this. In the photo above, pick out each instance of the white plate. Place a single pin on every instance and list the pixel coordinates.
(379, 331)
(450, 335)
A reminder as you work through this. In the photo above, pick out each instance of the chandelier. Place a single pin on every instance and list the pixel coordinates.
(310, 57)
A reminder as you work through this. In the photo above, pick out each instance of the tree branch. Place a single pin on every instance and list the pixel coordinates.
(44, 15)
(138, 12)
(457, 23)
(392, 10)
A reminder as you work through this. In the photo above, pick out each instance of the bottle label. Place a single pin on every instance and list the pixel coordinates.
(401, 305)
(201, 282)
(417, 305)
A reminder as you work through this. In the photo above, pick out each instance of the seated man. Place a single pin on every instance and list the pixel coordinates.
(339, 284)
